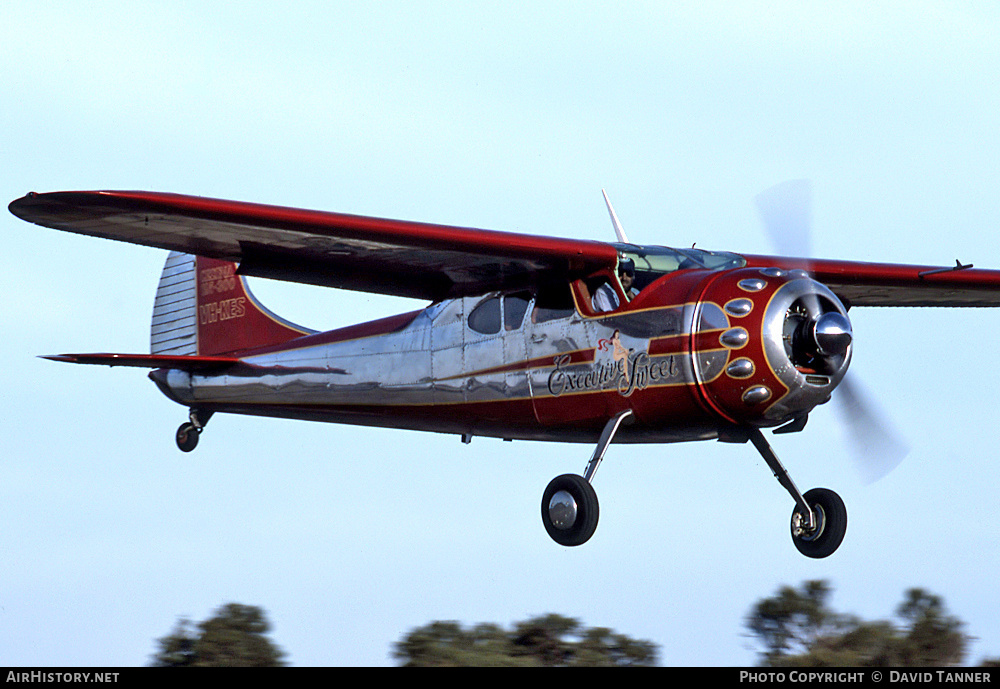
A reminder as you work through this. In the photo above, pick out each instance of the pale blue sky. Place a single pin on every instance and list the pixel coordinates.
(509, 116)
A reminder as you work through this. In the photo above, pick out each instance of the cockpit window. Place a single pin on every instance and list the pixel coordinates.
(653, 261)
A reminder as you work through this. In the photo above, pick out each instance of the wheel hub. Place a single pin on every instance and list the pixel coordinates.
(800, 525)
(562, 510)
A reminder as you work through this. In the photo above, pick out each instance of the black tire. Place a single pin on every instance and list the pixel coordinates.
(587, 510)
(831, 517)
(187, 437)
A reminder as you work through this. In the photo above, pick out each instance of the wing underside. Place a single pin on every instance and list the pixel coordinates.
(334, 250)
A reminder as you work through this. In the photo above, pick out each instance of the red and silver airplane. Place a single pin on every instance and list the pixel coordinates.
(526, 337)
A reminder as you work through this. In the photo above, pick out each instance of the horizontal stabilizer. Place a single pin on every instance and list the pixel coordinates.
(184, 363)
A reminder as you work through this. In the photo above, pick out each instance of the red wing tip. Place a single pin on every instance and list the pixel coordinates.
(59, 357)
(108, 359)
(190, 363)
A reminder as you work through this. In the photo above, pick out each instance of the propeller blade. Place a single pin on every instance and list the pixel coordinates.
(877, 449)
(786, 210)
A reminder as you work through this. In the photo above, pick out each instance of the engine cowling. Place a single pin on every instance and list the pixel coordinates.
(788, 339)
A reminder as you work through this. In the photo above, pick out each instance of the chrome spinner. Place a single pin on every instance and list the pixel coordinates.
(807, 342)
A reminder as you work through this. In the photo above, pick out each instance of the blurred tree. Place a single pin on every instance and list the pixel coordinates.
(797, 627)
(177, 649)
(933, 637)
(234, 636)
(791, 622)
(551, 640)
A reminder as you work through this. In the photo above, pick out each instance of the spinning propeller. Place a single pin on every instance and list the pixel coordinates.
(819, 334)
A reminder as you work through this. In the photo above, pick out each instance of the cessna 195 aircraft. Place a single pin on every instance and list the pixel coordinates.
(526, 337)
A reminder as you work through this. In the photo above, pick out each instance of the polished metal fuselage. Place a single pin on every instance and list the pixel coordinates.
(691, 358)
(550, 380)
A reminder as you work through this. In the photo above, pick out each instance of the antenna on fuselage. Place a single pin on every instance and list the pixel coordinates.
(614, 220)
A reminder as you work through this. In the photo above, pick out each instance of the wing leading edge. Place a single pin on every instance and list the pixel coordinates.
(393, 257)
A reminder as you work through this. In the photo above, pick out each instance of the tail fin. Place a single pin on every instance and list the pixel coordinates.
(203, 308)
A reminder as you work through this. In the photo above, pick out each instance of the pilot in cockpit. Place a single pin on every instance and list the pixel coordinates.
(626, 274)
(605, 298)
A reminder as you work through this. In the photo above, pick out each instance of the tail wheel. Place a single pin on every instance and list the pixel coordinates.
(187, 437)
(831, 524)
(570, 509)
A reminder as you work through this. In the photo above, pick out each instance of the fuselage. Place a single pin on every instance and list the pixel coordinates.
(696, 352)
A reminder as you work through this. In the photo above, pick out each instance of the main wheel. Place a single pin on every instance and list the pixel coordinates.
(187, 437)
(831, 524)
(570, 509)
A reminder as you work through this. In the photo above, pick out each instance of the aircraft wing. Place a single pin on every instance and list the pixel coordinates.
(330, 249)
(429, 261)
(890, 284)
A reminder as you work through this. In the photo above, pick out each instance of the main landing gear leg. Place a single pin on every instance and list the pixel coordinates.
(819, 520)
(187, 434)
(569, 503)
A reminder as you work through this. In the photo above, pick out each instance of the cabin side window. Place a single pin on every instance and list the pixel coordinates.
(514, 308)
(485, 318)
(551, 303)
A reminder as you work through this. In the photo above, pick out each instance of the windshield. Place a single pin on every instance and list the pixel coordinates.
(653, 261)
